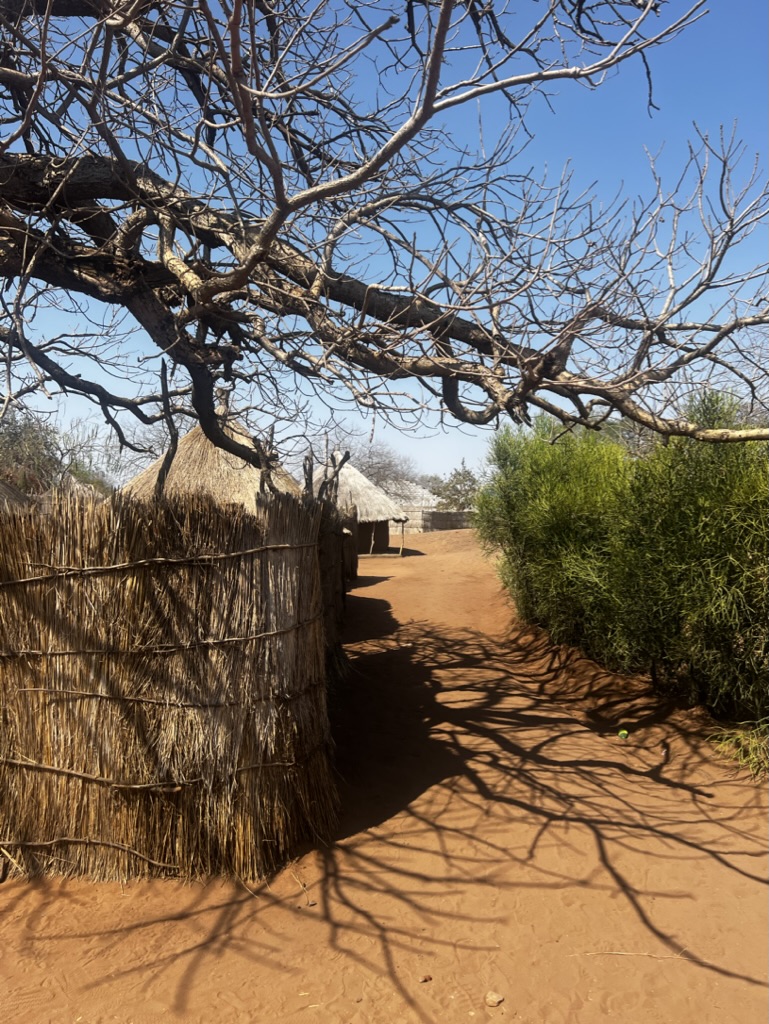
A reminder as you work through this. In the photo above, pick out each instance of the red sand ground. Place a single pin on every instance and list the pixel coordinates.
(497, 835)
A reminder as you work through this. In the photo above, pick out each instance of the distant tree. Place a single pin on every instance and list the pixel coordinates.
(381, 463)
(431, 482)
(457, 492)
(36, 456)
(29, 453)
(377, 460)
(83, 455)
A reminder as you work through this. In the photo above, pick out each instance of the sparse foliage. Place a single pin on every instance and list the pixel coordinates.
(382, 463)
(36, 456)
(286, 197)
(29, 453)
(456, 491)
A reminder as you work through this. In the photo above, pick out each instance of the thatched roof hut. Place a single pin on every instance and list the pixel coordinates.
(12, 497)
(417, 502)
(375, 510)
(409, 494)
(199, 467)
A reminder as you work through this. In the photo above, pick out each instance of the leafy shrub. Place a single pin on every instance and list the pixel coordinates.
(547, 506)
(655, 563)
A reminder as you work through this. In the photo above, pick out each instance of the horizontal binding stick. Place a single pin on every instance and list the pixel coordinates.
(102, 570)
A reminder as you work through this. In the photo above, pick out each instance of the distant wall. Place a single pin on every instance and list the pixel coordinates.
(429, 520)
(416, 519)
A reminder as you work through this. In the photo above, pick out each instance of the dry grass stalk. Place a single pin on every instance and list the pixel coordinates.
(167, 717)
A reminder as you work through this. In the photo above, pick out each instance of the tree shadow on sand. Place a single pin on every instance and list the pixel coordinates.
(467, 761)
(439, 728)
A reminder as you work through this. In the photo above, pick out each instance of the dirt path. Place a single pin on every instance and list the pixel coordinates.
(498, 835)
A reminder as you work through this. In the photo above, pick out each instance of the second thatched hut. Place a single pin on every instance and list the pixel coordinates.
(375, 510)
(199, 468)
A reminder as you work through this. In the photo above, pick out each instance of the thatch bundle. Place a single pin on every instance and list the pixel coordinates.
(162, 689)
(68, 485)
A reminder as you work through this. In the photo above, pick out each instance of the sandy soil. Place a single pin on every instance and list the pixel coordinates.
(497, 835)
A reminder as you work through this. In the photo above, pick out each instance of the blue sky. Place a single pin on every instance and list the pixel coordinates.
(714, 74)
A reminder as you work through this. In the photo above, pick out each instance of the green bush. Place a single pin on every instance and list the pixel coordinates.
(655, 563)
(693, 545)
(547, 506)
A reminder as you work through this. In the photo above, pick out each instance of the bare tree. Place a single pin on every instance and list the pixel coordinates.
(376, 459)
(283, 197)
(382, 464)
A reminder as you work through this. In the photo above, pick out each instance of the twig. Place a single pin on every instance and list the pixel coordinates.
(15, 863)
(614, 952)
(165, 703)
(71, 840)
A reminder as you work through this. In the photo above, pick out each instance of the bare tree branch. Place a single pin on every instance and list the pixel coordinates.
(284, 198)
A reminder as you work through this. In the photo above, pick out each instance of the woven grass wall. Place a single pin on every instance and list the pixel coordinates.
(162, 689)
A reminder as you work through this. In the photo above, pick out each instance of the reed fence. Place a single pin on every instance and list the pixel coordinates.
(162, 688)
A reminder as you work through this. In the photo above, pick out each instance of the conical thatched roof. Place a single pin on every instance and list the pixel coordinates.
(68, 485)
(12, 497)
(199, 467)
(372, 503)
(409, 494)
